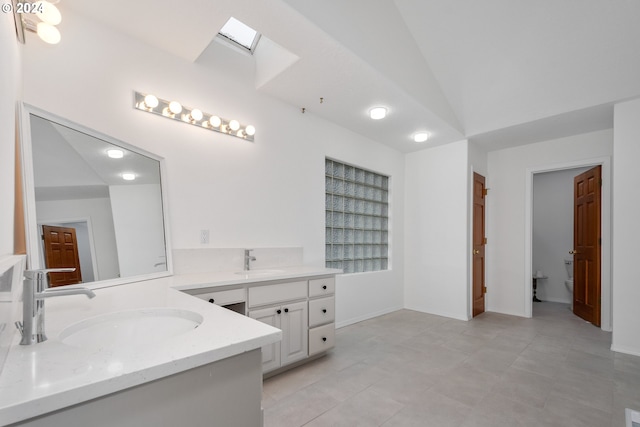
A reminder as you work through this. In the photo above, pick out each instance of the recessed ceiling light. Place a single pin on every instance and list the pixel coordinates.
(115, 154)
(378, 113)
(420, 136)
(128, 176)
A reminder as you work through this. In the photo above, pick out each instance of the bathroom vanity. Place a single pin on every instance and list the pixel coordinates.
(303, 307)
(212, 371)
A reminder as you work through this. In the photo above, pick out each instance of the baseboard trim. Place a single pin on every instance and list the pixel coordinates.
(440, 313)
(367, 316)
(625, 350)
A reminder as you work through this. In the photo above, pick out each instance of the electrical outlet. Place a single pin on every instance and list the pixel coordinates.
(204, 237)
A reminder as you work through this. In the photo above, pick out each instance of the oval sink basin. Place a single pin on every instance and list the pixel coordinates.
(130, 328)
(258, 272)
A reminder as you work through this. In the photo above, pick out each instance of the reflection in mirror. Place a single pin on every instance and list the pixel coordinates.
(98, 205)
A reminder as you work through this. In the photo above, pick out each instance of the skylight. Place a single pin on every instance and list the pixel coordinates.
(240, 34)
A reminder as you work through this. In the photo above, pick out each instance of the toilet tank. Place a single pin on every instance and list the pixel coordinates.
(568, 263)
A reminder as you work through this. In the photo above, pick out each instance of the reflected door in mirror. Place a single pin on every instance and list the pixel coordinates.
(61, 251)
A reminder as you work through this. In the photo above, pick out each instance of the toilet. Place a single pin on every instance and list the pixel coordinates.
(568, 263)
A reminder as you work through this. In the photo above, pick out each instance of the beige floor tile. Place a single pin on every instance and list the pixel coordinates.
(298, 408)
(430, 410)
(367, 408)
(408, 368)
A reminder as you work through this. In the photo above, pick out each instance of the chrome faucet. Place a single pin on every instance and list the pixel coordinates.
(35, 290)
(247, 259)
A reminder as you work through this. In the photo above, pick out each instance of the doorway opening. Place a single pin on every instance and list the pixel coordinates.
(549, 226)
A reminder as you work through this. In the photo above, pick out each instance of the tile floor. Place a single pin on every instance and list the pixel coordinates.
(414, 369)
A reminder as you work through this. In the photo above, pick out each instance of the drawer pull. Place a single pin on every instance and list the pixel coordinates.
(324, 339)
(286, 310)
(324, 310)
(278, 311)
(211, 300)
(324, 286)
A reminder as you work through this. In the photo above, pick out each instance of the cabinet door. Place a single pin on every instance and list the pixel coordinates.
(270, 352)
(294, 325)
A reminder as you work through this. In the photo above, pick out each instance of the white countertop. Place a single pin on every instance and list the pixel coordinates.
(48, 376)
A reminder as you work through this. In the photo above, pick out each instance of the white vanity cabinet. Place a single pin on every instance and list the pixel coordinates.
(305, 312)
(303, 308)
(287, 310)
(291, 318)
(322, 316)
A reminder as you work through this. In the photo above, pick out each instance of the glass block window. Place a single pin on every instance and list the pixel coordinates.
(356, 218)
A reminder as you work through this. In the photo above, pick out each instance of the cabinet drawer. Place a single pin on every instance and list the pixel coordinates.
(230, 296)
(319, 287)
(322, 338)
(322, 311)
(273, 294)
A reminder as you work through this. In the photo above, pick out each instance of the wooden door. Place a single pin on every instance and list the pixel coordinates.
(270, 352)
(61, 250)
(295, 332)
(479, 194)
(587, 240)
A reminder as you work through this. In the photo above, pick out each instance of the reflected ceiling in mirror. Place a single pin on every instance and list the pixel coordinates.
(86, 213)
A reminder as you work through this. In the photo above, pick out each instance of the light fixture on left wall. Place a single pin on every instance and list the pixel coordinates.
(39, 17)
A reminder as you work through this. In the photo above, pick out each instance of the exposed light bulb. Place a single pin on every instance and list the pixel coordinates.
(48, 13)
(234, 125)
(48, 33)
(420, 136)
(128, 176)
(150, 101)
(250, 130)
(115, 154)
(378, 113)
(196, 115)
(215, 121)
(175, 107)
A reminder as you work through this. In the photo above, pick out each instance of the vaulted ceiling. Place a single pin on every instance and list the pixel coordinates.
(499, 72)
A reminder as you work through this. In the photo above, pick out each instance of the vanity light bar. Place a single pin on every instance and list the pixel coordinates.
(193, 116)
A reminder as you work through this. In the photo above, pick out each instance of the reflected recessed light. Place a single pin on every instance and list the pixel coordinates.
(420, 136)
(378, 113)
(128, 176)
(115, 154)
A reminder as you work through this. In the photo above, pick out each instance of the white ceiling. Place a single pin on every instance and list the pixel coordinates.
(499, 72)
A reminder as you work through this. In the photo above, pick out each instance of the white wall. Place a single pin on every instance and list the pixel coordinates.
(139, 228)
(436, 220)
(99, 212)
(264, 194)
(10, 92)
(509, 170)
(553, 231)
(626, 287)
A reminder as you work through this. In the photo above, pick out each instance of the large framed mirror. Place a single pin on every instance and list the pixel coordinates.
(93, 203)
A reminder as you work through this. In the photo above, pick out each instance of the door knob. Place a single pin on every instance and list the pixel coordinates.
(573, 252)
(476, 251)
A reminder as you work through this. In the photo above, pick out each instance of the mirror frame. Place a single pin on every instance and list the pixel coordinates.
(29, 201)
